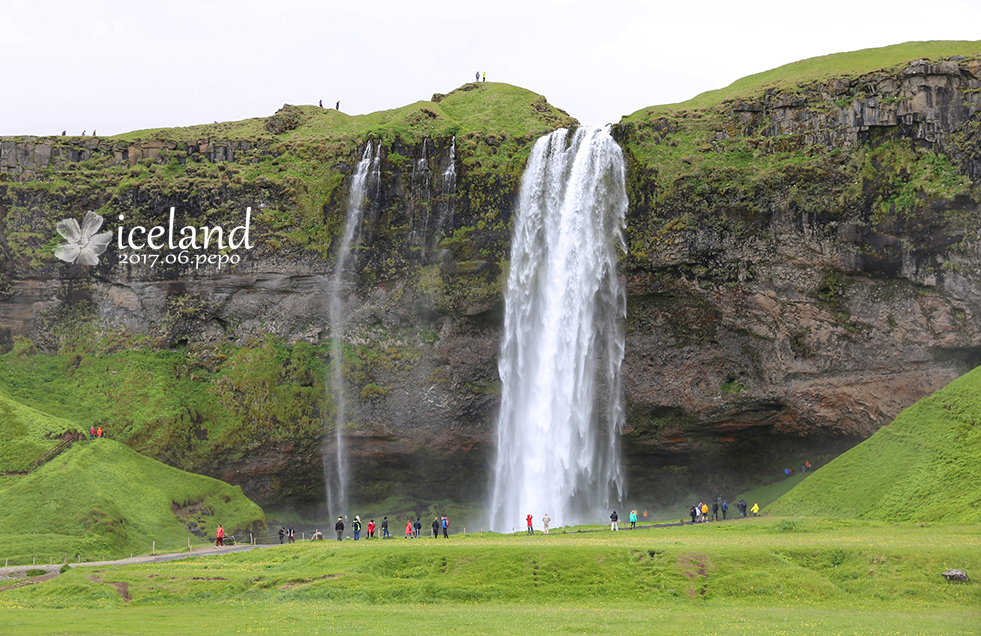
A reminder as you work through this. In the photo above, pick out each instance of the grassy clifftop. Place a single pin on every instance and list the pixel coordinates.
(790, 77)
(922, 467)
(486, 107)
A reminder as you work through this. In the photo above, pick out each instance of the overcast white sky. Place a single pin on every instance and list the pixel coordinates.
(121, 65)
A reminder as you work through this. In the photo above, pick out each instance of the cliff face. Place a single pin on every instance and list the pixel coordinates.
(800, 269)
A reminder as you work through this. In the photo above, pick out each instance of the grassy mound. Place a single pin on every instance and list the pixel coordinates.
(922, 467)
(102, 498)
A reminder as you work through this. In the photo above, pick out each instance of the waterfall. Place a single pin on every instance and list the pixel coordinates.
(335, 472)
(447, 194)
(561, 403)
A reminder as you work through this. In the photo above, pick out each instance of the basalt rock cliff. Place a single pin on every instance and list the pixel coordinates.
(803, 263)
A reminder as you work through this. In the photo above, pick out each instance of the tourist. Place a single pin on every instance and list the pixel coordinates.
(290, 535)
(478, 79)
(435, 527)
(339, 527)
(531, 530)
(98, 433)
(282, 533)
(357, 527)
(371, 529)
(715, 510)
(693, 511)
(545, 521)
(338, 106)
(614, 519)
(633, 519)
(485, 76)
(755, 510)
(705, 512)
(321, 103)
(92, 432)
(446, 527)
(408, 528)
(219, 537)
(385, 534)
(725, 509)
(417, 528)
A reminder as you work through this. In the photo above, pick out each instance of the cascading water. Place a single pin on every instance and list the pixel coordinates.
(335, 472)
(561, 402)
(446, 194)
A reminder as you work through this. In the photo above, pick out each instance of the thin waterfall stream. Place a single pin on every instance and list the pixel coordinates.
(365, 177)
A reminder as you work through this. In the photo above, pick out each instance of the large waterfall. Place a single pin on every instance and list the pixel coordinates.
(335, 468)
(561, 404)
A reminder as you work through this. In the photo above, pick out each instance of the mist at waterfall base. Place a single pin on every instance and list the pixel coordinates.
(366, 176)
(561, 403)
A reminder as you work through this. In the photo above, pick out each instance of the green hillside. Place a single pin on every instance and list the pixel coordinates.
(102, 498)
(27, 433)
(922, 467)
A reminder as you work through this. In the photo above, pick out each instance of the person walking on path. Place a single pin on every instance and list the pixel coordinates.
(531, 529)
(290, 535)
(446, 528)
(385, 534)
(715, 511)
(219, 537)
(339, 527)
(755, 510)
(417, 528)
(633, 519)
(545, 521)
(614, 521)
(282, 533)
(435, 527)
(725, 509)
(705, 512)
(357, 527)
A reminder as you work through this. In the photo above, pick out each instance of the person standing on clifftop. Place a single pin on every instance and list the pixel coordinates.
(338, 106)
(478, 79)
(485, 76)
(321, 103)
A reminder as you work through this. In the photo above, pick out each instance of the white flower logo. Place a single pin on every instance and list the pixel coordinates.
(83, 245)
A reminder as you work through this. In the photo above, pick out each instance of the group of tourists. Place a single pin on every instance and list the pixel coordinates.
(94, 432)
(287, 534)
(413, 529)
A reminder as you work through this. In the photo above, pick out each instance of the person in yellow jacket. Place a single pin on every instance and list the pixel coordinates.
(705, 512)
(755, 509)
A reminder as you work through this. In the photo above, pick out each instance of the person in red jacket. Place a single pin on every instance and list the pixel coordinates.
(371, 529)
(408, 529)
(219, 536)
(531, 529)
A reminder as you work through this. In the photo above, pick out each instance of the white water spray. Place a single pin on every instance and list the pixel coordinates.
(335, 472)
(561, 403)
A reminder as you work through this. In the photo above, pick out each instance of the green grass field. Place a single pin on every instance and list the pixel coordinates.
(759, 576)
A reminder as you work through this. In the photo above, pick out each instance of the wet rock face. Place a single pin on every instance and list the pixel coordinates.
(768, 325)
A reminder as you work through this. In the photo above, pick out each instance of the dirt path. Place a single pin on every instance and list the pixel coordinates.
(15, 573)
